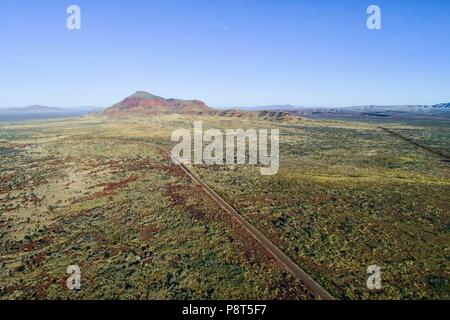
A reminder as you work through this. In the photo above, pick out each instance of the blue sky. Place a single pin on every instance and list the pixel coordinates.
(225, 52)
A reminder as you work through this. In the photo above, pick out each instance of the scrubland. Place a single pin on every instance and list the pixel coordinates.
(102, 194)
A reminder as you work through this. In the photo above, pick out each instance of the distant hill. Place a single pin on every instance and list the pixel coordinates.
(34, 109)
(442, 105)
(144, 103)
(257, 114)
(284, 107)
(397, 108)
(363, 108)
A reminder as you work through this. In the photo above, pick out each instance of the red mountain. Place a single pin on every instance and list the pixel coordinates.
(142, 103)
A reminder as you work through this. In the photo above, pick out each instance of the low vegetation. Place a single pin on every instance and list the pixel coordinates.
(102, 194)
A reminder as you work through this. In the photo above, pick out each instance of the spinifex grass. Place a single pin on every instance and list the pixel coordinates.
(348, 195)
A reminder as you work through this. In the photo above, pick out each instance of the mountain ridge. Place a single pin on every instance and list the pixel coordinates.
(142, 102)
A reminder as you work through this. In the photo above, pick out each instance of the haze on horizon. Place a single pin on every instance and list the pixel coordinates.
(227, 53)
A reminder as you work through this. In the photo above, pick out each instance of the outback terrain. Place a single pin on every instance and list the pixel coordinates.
(102, 193)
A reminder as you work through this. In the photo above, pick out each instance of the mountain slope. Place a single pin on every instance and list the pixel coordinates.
(144, 103)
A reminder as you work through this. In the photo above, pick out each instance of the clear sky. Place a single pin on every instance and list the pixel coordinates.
(225, 52)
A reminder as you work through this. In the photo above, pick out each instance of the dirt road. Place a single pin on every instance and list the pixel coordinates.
(313, 287)
(428, 149)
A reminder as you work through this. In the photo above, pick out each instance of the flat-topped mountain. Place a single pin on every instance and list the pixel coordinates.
(142, 103)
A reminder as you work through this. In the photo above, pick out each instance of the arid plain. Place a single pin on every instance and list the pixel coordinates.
(101, 192)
